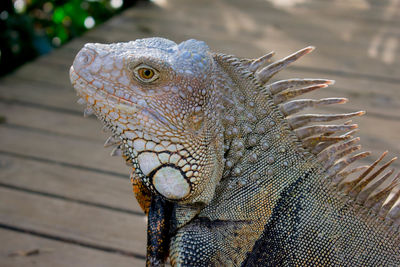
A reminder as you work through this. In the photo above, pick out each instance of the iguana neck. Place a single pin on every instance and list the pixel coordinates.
(254, 127)
(262, 156)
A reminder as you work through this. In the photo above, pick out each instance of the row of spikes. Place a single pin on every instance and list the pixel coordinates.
(334, 152)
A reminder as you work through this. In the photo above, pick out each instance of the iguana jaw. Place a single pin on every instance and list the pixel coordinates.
(87, 92)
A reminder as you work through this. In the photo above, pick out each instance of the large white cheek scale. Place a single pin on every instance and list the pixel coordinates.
(170, 183)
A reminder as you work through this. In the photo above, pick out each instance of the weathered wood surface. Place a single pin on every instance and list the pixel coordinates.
(64, 198)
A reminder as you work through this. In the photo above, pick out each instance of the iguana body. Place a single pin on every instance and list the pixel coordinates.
(226, 170)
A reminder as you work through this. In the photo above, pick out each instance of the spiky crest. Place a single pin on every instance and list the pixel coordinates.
(372, 189)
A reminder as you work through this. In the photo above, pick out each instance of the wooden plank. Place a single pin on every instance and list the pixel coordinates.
(65, 220)
(61, 123)
(76, 185)
(147, 19)
(83, 153)
(251, 28)
(377, 13)
(52, 253)
(44, 73)
(43, 96)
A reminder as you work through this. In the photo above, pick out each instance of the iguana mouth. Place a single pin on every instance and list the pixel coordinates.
(87, 90)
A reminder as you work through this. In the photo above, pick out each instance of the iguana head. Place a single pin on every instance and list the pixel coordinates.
(158, 97)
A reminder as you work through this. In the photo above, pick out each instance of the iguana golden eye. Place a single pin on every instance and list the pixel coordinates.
(146, 73)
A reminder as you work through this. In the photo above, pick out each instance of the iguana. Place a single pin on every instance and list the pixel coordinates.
(227, 170)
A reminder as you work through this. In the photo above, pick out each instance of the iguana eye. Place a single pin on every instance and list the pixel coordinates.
(146, 73)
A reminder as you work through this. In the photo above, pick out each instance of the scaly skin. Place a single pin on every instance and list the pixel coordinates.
(226, 171)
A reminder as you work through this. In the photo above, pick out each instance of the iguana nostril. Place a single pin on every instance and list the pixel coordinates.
(84, 58)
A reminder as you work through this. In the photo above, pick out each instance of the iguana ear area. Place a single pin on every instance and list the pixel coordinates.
(195, 121)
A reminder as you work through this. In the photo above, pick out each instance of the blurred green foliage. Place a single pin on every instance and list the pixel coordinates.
(29, 28)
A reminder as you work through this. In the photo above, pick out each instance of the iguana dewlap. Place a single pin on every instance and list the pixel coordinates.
(227, 169)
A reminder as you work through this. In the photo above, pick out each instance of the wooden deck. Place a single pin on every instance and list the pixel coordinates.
(65, 202)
